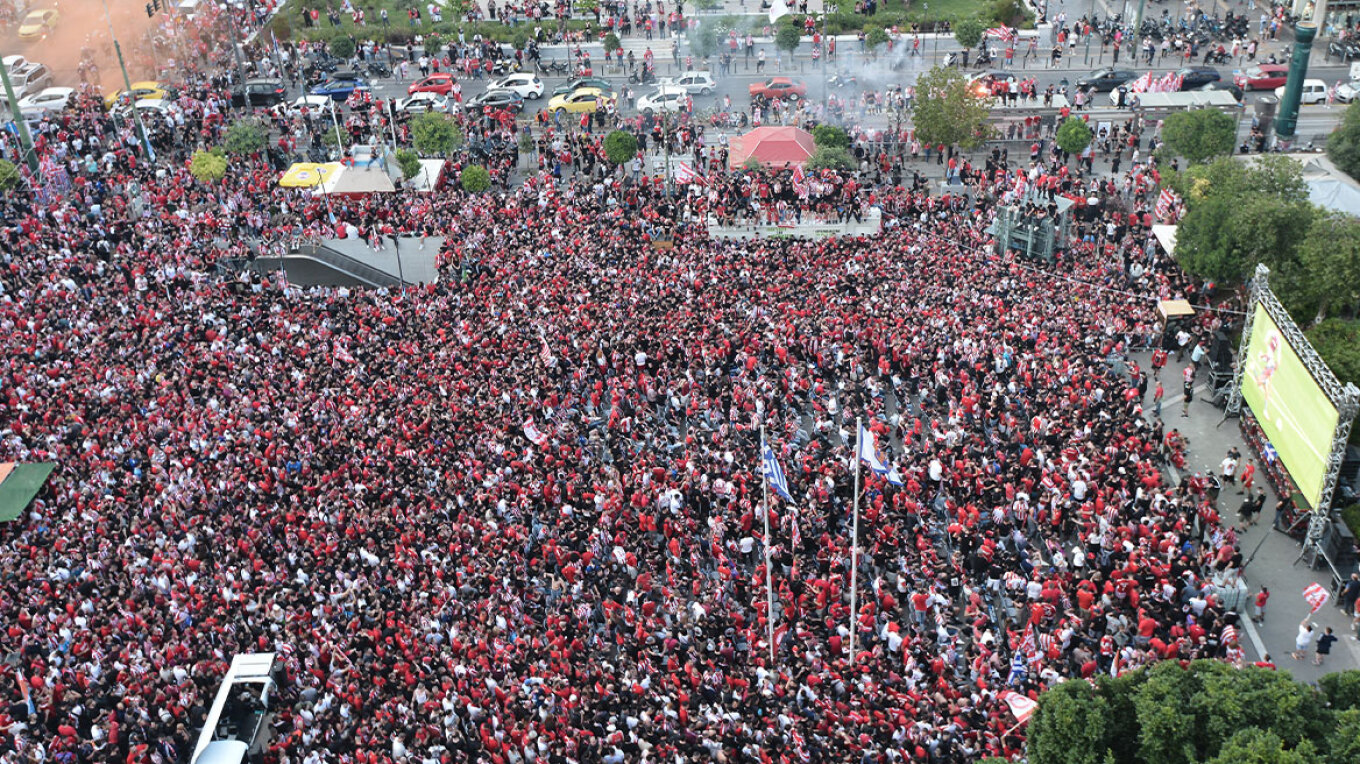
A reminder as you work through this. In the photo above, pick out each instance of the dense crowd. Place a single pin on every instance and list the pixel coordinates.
(516, 515)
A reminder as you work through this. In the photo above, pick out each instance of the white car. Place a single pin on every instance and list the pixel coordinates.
(1347, 91)
(422, 102)
(691, 82)
(30, 79)
(14, 63)
(314, 104)
(161, 106)
(49, 100)
(1313, 91)
(662, 100)
(526, 84)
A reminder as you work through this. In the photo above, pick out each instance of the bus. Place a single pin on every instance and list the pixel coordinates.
(237, 727)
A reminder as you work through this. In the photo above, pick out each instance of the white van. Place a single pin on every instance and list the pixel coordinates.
(238, 722)
(1314, 91)
(187, 8)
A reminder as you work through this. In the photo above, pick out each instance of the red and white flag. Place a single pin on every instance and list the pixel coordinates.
(1021, 705)
(685, 173)
(1317, 596)
(1166, 203)
(1005, 33)
(534, 434)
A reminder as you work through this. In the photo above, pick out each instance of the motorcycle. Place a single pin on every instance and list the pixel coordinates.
(842, 80)
(951, 59)
(377, 69)
(643, 78)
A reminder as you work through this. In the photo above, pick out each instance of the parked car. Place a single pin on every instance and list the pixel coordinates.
(1347, 91)
(140, 90)
(1105, 80)
(422, 102)
(1313, 91)
(1262, 77)
(576, 83)
(15, 62)
(583, 100)
(314, 104)
(700, 83)
(527, 84)
(30, 79)
(340, 88)
(1195, 76)
(1227, 87)
(662, 99)
(259, 92)
(497, 99)
(440, 83)
(779, 87)
(48, 101)
(38, 23)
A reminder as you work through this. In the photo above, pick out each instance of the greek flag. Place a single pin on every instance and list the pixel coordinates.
(1018, 669)
(870, 454)
(769, 467)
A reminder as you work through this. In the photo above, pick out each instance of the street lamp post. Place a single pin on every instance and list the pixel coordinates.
(127, 84)
(25, 140)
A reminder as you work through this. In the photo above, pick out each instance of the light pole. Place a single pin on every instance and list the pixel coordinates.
(127, 84)
(25, 140)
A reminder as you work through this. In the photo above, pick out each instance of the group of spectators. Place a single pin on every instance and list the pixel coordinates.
(516, 515)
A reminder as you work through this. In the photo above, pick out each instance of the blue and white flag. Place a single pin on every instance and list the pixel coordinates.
(1018, 669)
(873, 457)
(769, 467)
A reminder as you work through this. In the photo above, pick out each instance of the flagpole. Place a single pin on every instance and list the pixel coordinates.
(854, 546)
(769, 577)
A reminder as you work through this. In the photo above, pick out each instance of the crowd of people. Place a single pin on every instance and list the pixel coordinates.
(516, 515)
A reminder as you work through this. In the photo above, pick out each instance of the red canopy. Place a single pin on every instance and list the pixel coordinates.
(772, 147)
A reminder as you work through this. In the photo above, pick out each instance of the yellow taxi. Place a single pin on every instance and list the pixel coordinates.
(37, 24)
(580, 100)
(140, 91)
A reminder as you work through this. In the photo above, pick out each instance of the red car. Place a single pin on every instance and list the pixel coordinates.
(1262, 77)
(440, 83)
(779, 87)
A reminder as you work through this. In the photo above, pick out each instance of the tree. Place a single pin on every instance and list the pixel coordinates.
(435, 134)
(611, 43)
(1257, 746)
(1343, 745)
(1074, 135)
(208, 166)
(1343, 145)
(620, 146)
(831, 158)
(1200, 134)
(968, 31)
(704, 42)
(1338, 342)
(433, 44)
(9, 175)
(1342, 689)
(1069, 726)
(1330, 256)
(787, 38)
(476, 179)
(948, 111)
(342, 46)
(830, 136)
(875, 37)
(245, 136)
(409, 162)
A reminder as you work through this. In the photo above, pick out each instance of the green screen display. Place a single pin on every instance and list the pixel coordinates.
(1296, 415)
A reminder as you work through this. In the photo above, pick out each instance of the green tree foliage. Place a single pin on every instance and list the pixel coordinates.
(435, 134)
(245, 136)
(9, 175)
(476, 179)
(433, 44)
(1343, 744)
(968, 31)
(1070, 725)
(875, 37)
(1258, 746)
(409, 162)
(1342, 689)
(1338, 342)
(1208, 713)
(1330, 257)
(1074, 135)
(1011, 13)
(1343, 145)
(611, 43)
(830, 136)
(704, 42)
(787, 38)
(208, 166)
(948, 111)
(830, 158)
(620, 146)
(1200, 134)
(1241, 215)
(342, 46)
